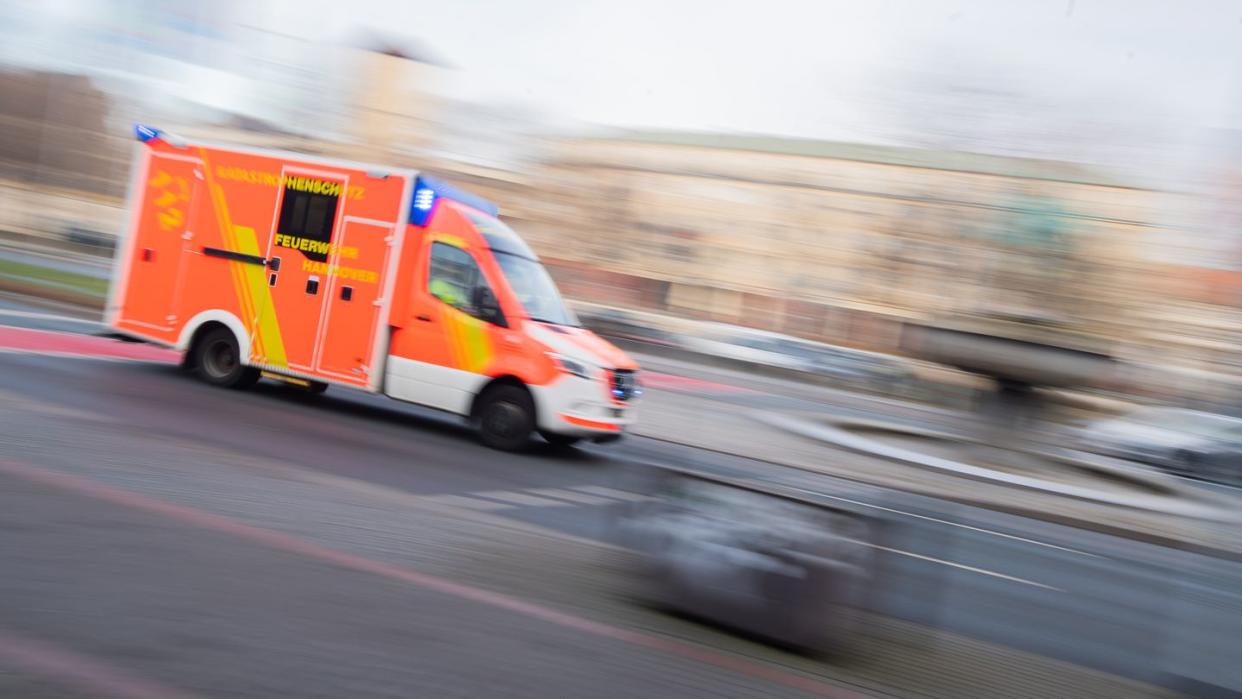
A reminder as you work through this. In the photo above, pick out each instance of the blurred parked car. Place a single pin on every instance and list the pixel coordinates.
(1185, 442)
(850, 366)
(79, 235)
(792, 570)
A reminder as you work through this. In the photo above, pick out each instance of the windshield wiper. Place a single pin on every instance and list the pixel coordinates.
(551, 322)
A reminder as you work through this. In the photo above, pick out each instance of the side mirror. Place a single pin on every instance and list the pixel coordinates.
(487, 307)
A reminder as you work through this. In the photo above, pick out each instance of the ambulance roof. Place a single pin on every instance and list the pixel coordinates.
(427, 190)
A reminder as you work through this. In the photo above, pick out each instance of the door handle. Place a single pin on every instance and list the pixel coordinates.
(425, 319)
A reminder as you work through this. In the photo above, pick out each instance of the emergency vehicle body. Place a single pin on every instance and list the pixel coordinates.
(329, 272)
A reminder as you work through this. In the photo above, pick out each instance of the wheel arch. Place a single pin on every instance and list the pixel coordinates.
(206, 320)
(502, 380)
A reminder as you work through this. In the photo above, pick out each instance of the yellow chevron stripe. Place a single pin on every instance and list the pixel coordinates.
(261, 296)
(452, 324)
(477, 348)
(239, 283)
(249, 281)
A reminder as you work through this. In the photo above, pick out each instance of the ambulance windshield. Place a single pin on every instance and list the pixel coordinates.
(535, 289)
(527, 277)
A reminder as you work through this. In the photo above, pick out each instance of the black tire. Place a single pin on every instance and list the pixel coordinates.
(559, 440)
(316, 388)
(505, 417)
(217, 360)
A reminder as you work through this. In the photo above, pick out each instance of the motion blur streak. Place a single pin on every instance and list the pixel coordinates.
(894, 347)
(294, 545)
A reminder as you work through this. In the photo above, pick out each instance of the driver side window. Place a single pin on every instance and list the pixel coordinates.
(455, 279)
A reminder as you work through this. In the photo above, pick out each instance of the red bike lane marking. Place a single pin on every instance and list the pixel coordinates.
(31, 341)
(291, 544)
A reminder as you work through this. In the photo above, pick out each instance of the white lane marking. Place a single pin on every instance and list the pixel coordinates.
(960, 566)
(951, 524)
(571, 496)
(465, 503)
(519, 498)
(47, 316)
(612, 493)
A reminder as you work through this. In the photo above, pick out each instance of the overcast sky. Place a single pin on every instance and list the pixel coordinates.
(1081, 79)
(816, 67)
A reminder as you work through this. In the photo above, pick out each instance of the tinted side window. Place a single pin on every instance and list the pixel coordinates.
(455, 278)
(309, 212)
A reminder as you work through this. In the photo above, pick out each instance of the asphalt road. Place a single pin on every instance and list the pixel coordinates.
(79, 575)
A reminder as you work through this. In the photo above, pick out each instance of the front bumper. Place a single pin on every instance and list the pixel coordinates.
(582, 408)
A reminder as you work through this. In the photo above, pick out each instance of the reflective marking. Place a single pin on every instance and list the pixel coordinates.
(960, 566)
(465, 503)
(563, 494)
(519, 498)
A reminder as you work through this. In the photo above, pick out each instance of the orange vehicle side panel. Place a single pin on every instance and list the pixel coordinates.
(449, 337)
(352, 317)
(231, 201)
(155, 258)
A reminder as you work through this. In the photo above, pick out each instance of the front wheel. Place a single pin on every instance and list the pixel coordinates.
(506, 417)
(217, 360)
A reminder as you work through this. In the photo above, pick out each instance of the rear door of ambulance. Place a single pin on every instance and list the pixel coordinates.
(330, 240)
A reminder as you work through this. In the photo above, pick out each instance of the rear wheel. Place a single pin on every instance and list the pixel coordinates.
(506, 417)
(217, 360)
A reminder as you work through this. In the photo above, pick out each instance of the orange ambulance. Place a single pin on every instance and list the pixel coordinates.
(323, 272)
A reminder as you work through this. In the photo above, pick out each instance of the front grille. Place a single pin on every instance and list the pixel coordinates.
(624, 384)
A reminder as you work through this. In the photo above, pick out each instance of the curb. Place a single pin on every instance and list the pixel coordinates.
(840, 438)
(1096, 464)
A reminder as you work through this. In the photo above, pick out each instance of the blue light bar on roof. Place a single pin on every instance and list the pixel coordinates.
(145, 133)
(427, 190)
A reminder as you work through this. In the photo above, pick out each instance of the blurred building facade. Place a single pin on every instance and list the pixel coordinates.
(837, 242)
(391, 105)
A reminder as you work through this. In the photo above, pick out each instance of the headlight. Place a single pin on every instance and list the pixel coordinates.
(571, 366)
